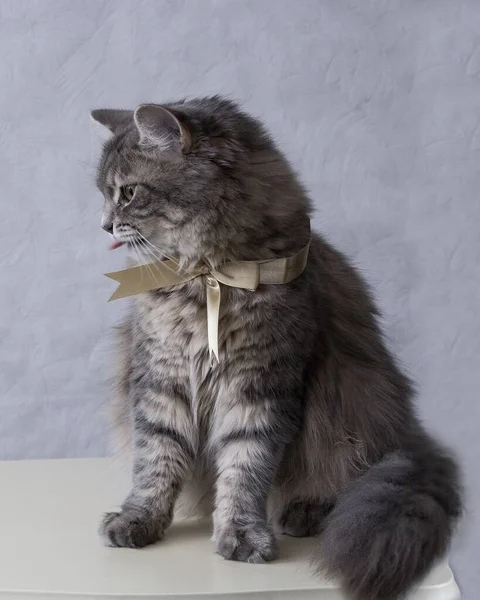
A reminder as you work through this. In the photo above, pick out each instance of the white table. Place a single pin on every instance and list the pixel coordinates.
(49, 512)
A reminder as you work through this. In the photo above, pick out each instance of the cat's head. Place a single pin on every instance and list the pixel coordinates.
(200, 180)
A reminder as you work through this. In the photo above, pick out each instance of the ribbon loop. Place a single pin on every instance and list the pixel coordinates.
(214, 296)
(243, 274)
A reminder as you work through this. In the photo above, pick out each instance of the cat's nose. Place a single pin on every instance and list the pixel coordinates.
(108, 227)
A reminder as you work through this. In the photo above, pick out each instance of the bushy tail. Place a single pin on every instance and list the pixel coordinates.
(392, 523)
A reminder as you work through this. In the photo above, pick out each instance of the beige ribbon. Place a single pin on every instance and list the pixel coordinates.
(243, 274)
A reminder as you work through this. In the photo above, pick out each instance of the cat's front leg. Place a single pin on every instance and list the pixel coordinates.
(252, 425)
(164, 448)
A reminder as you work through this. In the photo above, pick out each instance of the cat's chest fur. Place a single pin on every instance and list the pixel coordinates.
(171, 331)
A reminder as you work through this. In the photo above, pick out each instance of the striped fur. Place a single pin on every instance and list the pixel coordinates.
(307, 423)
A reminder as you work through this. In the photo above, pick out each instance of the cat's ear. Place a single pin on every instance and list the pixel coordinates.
(111, 118)
(161, 128)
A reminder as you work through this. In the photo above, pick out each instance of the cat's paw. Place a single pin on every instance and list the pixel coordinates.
(252, 543)
(130, 529)
(304, 518)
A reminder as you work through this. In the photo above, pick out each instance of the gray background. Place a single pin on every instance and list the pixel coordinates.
(377, 104)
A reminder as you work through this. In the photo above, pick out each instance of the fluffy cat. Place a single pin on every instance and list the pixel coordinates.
(306, 425)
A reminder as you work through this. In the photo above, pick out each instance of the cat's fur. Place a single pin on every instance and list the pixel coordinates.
(307, 411)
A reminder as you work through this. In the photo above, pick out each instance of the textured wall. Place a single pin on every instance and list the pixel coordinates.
(376, 103)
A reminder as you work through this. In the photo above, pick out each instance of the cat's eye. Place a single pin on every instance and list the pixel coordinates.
(128, 191)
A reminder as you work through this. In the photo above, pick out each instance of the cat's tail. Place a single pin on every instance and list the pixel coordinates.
(392, 523)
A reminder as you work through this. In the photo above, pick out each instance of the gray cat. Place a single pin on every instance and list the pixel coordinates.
(306, 425)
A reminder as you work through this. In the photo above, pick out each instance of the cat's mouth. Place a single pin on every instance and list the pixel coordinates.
(123, 235)
(130, 243)
(116, 244)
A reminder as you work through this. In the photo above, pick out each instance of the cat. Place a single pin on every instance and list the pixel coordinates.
(306, 424)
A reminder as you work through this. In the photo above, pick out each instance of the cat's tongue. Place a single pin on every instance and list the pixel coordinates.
(115, 244)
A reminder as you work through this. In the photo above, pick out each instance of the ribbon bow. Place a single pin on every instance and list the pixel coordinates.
(247, 275)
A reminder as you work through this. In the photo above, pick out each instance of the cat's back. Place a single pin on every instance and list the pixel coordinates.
(337, 284)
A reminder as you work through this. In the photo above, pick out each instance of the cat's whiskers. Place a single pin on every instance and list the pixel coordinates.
(152, 251)
(140, 248)
(138, 254)
(140, 257)
(165, 255)
(149, 266)
(157, 264)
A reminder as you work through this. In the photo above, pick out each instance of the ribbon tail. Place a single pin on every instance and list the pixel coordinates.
(213, 316)
(145, 278)
(118, 293)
